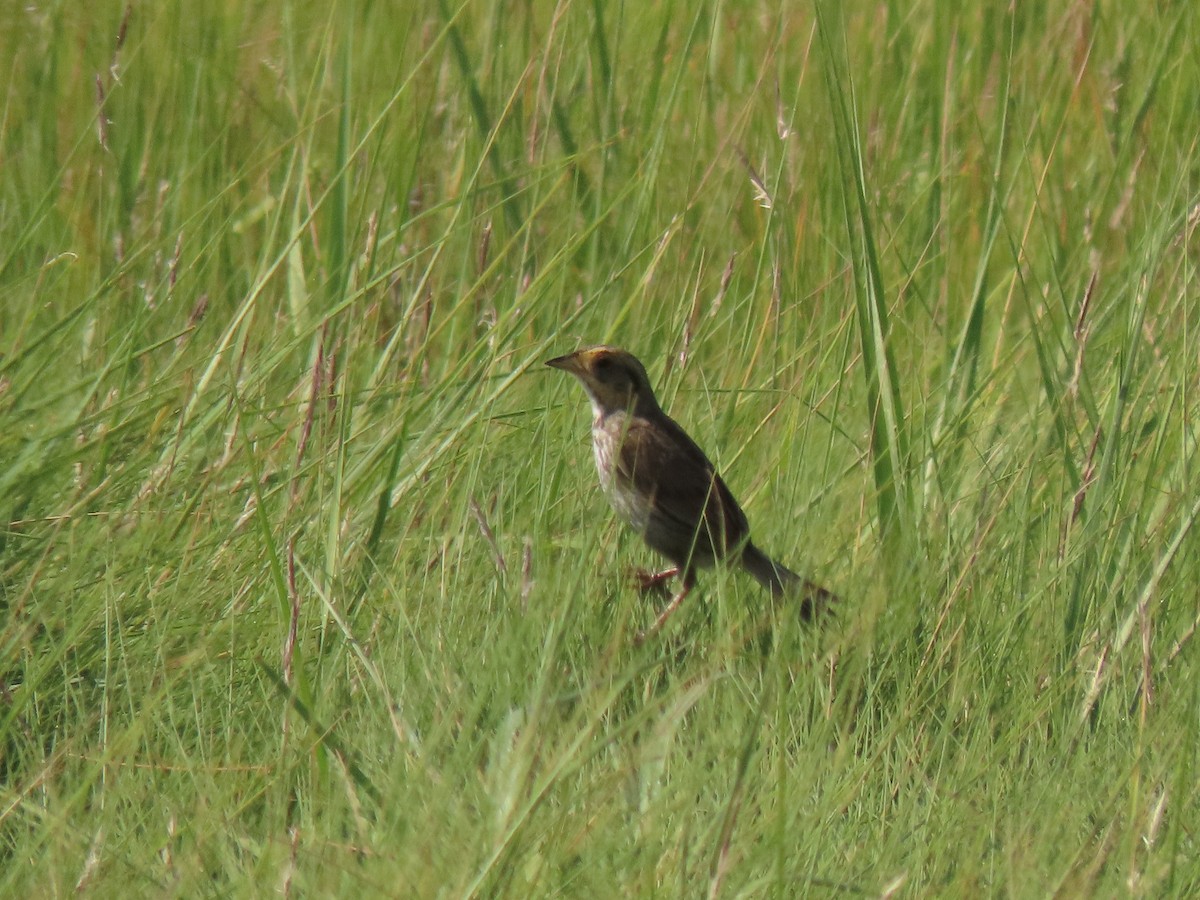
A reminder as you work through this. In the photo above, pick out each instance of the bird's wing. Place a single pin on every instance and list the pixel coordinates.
(661, 461)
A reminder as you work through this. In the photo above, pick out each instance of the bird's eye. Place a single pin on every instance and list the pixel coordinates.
(603, 364)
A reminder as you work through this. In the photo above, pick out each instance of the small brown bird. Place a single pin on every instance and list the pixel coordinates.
(663, 485)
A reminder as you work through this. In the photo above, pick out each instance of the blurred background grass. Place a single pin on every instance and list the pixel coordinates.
(307, 582)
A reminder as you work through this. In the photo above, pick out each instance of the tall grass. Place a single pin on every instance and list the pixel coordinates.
(307, 582)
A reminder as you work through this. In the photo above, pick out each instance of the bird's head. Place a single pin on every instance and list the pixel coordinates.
(614, 379)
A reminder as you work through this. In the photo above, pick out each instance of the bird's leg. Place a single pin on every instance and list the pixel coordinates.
(689, 579)
(653, 581)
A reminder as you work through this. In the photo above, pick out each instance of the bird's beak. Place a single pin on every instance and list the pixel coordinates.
(569, 363)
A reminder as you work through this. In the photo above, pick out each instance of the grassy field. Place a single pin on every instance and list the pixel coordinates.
(307, 584)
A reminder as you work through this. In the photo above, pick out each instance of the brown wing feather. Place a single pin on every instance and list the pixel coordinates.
(661, 461)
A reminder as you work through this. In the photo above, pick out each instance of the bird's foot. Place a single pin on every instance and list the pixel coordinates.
(646, 633)
(653, 582)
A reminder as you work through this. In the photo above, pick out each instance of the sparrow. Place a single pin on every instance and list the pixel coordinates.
(664, 487)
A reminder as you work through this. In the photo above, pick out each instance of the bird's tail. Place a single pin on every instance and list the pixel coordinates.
(781, 581)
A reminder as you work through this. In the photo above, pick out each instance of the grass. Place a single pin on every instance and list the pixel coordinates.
(307, 583)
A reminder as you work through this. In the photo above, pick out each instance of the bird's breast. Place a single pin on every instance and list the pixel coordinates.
(630, 504)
